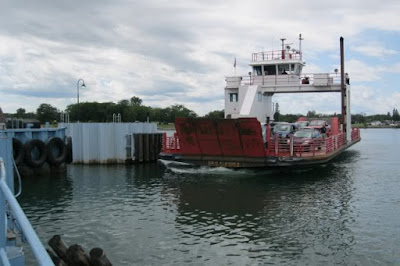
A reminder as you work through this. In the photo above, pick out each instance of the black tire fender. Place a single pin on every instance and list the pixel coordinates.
(52, 144)
(18, 150)
(68, 145)
(29, 147)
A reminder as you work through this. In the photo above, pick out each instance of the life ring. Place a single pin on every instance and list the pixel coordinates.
(18, 150)
(56, 151)
(68, 145)
(35, 153)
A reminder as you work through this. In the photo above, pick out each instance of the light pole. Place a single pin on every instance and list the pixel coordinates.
(77, 88)
(77, 92)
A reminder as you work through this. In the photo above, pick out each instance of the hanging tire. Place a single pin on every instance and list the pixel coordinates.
(35, 153)
(68, 145)
(18, 150)
(56, 151)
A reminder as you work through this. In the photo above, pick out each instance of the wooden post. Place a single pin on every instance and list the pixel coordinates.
(98, 257)
(59, 247)
(77, 256)
(140, 136)
(146, 148)
(152, 146)
(56, 260)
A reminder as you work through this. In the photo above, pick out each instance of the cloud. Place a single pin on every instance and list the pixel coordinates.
(376, 50)
(173, 52)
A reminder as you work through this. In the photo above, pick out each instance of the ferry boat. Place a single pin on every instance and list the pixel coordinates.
(243, 138)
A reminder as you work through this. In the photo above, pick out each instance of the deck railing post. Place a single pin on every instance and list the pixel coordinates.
(36, 246)
(291, 145)
(164, 142)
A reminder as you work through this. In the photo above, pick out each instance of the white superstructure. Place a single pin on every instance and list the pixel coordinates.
(274, 72)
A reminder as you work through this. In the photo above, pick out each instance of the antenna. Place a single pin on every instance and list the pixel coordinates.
(283, 43)
(283, 48)
(300, 39)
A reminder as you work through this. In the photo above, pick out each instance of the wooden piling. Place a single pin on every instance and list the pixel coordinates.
(152, 147)
(147, 147)
(99, 258)
(59, 247)
(56, 260)
(140, 147)
(77, 256)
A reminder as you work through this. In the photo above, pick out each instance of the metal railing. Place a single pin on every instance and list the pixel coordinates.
(170, 144)
(285, 147)
(64, 117)
(276, 55)
(6, 195)
(314, 79)
(116, 118)
(305, 148)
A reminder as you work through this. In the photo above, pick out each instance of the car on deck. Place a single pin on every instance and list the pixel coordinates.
(302, 124)
(307, 139)
(318, 124)
(284, 130)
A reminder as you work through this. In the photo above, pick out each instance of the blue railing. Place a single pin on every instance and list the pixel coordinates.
(37, 248)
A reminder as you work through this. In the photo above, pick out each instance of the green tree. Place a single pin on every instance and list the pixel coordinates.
(21, 112)
(311, 114)
(46, 113)
(136, 101)
(277, 116)
(277, 112)
(215, 114)
(160, 115)
(179, 110)
(396, 116)
(124, 102)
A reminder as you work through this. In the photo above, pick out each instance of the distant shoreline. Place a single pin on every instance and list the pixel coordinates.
(365, 127)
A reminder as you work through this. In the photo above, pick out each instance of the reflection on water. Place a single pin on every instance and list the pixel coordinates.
(165, 213)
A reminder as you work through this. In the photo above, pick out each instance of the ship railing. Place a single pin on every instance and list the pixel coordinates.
(6, 196)
(302, 147)
(307, 79)
(276, 55)
(355, 134)
(170, 144)
(285, 146)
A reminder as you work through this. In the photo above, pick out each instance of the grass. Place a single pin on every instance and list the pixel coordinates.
(169, 126)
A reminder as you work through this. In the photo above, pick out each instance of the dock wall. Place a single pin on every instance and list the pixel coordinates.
(103, 143)
(6, 155)
(39, 155)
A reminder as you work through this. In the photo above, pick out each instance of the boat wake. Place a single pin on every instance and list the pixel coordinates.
(187, 168)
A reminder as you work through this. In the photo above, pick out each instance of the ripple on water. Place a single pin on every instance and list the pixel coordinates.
(344, 212)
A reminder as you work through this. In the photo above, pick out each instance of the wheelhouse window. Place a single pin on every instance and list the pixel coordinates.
(283, 69)
(233, 97)
(259, 96)
(270, 70)
(257, 70)
(291, 70)
(298, 70)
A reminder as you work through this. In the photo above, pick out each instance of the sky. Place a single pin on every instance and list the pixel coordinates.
(179, 52)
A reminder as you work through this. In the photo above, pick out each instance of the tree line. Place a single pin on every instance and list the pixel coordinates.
(132, 110)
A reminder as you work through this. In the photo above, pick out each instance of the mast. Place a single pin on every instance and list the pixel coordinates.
(283, 48)
(300, 39)
(343, 88)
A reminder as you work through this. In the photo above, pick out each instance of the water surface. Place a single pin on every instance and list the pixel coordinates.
(346, 211)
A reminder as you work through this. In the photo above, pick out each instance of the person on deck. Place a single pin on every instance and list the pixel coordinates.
(323, 131)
